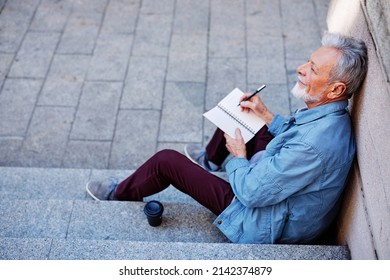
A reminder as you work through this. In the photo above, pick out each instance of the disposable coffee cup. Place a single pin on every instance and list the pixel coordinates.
(153, 211)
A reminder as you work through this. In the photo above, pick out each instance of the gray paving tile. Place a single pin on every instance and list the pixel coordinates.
(266, 60)
(224, 74)
(17, 102)
(21, 6)
(227, 29)
(96, 115)
(110, 58)
(34, 218)
(121, 16)
(263, 18)
(263, 70)
(51, 15)
(321, 12)
(188, 58)
(171, 145)
(191, 18)
(144, 84)
(135, 139)
(46, 139)
(6, 60)
(299, 47)
(35, 55)
(297, 18)
(9, 150)
(152, 35)
(227, 46)
(94, 6)
(14, 22)
(181, 119)
(271, 47)
(80, 33)
(41, 183)
(65, 80)
(87, 154)
(158, 7)
(227, 18)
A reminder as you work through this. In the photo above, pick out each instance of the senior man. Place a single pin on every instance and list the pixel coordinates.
(286, 183)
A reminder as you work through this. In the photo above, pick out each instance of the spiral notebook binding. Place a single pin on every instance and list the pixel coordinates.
(227, 111)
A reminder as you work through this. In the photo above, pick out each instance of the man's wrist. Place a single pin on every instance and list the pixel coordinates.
(268, 117)
(240, 155)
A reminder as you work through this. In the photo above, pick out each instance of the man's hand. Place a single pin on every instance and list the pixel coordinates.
(236, 146)
(257, 106)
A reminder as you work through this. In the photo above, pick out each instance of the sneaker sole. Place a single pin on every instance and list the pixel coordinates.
(90, 193)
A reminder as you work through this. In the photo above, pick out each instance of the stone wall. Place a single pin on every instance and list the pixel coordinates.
(364, 223)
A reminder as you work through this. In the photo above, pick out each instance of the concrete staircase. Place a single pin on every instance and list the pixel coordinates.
(46, 214)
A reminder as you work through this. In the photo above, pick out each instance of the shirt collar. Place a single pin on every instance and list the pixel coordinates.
(309, 115)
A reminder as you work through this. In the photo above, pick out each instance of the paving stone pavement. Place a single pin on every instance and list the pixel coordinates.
(105, 84)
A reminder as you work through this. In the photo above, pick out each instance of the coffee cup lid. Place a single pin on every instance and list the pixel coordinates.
(153, 208)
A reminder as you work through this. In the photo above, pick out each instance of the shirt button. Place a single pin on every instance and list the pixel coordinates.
(219, 222)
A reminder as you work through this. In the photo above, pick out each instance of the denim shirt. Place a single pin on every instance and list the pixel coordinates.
(292, 194)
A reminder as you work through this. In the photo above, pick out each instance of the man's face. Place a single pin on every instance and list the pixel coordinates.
(313, 76)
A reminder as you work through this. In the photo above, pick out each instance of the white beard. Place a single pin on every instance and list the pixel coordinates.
(301, 93)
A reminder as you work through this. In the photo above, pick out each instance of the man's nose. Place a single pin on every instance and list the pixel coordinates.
(301, 69)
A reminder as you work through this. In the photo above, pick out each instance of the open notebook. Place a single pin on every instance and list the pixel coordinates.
(228, 116)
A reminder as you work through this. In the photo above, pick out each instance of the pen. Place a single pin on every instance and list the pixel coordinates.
(253, 94)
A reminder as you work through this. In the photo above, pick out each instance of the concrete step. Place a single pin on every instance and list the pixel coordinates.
(79, 249)
(68, 184)
(105, 220)
(46, 214)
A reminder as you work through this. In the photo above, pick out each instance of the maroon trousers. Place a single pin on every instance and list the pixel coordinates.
(169, 167)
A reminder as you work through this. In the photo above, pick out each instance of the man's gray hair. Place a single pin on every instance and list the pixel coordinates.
(352, 67)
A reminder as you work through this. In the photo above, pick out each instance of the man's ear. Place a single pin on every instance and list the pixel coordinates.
(337, 90)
